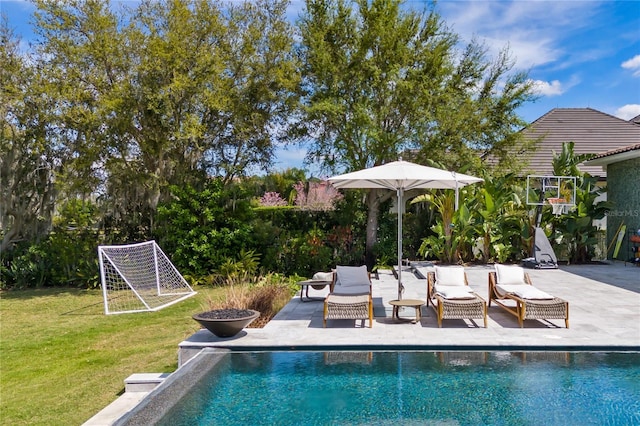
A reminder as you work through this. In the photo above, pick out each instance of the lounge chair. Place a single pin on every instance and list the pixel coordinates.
(350, 295)
(511, 288)
(451, 297)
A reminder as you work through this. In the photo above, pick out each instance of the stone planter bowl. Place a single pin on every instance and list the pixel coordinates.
(226, 322)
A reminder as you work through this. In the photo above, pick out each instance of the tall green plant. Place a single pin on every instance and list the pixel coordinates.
(441, 245)
(500, 218)
(453, 230)
(575, 230)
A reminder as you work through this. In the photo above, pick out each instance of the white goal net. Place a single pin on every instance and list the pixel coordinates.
(138, 278)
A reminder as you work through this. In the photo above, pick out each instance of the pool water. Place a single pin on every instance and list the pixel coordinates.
(444, 388)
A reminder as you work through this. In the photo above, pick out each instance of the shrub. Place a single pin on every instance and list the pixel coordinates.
(25, 266)
(266, 294)
(202, 229)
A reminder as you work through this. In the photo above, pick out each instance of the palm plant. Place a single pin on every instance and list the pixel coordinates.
(500, 219)
(451, 241)
(575, 230)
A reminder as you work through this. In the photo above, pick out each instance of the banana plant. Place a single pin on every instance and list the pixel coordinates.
(575, 230)
(452, 236)
(500, 219)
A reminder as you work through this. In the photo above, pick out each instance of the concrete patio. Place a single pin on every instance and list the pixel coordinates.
(604, 314)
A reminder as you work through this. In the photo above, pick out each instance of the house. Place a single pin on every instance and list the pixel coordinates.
(592, 132)
(622, 167)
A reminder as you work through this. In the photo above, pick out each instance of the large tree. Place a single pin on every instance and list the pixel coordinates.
(28, 158)
(382, 79)
(165, 92)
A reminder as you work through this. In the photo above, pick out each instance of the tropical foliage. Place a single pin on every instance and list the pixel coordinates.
(575, 231)
(124, 123)
(493, 224)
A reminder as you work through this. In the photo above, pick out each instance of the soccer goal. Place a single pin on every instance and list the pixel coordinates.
(138, 278)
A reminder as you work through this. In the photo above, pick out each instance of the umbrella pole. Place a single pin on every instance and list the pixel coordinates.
(400, 212)
(456, 203)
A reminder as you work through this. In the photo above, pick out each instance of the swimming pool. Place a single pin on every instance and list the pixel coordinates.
(412, 387)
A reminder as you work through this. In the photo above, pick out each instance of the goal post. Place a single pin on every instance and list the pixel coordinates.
(139, 278)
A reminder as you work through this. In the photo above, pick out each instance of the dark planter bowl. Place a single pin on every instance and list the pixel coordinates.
(226, 327)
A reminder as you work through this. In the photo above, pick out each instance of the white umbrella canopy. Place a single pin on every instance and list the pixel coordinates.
(402, 176)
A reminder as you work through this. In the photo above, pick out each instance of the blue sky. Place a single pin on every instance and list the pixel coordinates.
(579, 53)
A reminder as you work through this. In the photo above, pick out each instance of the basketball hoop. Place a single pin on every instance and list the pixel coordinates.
(557, 204)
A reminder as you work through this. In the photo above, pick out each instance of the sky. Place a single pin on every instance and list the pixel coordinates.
(578, 53)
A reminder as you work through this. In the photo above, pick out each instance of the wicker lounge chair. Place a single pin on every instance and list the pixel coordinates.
(450, 296)
(350, 295)
(511, 288)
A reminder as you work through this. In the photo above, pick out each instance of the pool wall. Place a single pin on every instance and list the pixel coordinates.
(204, 390)
(156, 404)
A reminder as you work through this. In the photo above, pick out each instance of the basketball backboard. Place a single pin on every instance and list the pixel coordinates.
(557, 191)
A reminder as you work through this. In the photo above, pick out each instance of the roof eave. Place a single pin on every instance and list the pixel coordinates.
(615, 158)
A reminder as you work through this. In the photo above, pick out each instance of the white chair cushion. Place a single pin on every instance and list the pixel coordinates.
(509, 275)
(322, 276)
(454, 291)
(350, 276)
(449, 275)
(523, 291)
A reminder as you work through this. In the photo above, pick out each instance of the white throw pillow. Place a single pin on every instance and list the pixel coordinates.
(509, 275)
(322, 276)
(350, 276)
(454, 292)
(449, 275)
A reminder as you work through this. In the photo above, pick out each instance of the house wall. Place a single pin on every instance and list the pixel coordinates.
(623, 183)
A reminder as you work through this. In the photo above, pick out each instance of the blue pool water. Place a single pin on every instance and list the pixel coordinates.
(448, 388)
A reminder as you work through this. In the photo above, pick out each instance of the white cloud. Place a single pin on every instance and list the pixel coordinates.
(633, 64)
(535, 31)
(629, 111)
(545, 88)
(553, 88)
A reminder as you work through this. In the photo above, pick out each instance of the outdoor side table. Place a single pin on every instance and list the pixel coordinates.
(316, 284)
(407, 303)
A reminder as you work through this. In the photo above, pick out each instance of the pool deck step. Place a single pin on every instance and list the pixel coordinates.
(144, 382)
(136, 387)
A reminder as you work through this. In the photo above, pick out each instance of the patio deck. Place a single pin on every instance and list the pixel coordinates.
(604, 313)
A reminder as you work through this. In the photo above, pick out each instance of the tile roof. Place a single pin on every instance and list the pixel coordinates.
(592, 132)
(618, 151)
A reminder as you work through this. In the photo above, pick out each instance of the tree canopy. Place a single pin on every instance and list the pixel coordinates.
(29, 159)
(164, 93)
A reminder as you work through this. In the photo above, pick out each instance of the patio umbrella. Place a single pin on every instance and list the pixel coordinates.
(403, 176)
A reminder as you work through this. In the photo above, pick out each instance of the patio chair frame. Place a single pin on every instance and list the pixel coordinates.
(543, 309)
(455, 308)
(348, 306)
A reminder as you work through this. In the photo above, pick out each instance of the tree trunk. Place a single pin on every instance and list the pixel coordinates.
(9, 235)
(373, 207)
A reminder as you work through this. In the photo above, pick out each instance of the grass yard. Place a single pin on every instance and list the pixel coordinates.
(62, 360)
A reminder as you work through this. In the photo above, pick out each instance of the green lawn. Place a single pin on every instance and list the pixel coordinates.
(62, 360)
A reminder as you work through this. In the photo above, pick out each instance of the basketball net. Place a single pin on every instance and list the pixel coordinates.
(557, 205)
